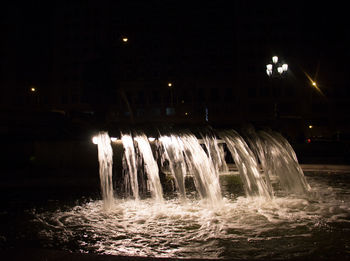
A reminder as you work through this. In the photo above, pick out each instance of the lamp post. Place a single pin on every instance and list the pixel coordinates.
(276, 69)
(34, 93)
(170, 85)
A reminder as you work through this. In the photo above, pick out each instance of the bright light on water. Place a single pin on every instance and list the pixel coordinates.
(242, 227)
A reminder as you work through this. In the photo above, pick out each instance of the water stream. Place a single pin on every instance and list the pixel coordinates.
(105, 158)
(267, 211)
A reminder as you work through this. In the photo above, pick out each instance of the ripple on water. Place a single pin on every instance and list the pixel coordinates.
(240, 227)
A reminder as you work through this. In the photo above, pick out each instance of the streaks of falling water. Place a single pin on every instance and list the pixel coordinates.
(215, 153)
(151, 167)
(185, 156)
(173, 154)
(105, 158)
(130, 157)
(205, 177)
(281, 161)
(247, 165)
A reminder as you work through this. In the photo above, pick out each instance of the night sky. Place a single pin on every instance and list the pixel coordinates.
(193, 29)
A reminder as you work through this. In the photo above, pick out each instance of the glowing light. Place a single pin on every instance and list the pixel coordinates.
(280, 70)
(151, 139)
(310, 126)
(32, 89)
(114, 139)
(170, 84)
(95, 140)
(269, 72)
(269, 67)
(314, 84)
(186, 113)
(275, 59)
(308, 140)
(285, 67)
(125, 39)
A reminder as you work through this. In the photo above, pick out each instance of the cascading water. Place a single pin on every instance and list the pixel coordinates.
(265, 224)
(105, 158)
(183, 149)
(215, 153)
(280, 160)
(174, 156)
(184, 156)
(151, 167)
(247, 165)
(205, 177)
(131, 177)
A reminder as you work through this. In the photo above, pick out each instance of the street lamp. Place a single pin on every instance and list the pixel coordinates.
(276, 69)
(275, 59)
(34, 93)
(170, 85)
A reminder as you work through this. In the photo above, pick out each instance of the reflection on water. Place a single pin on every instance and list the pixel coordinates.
(241, 227)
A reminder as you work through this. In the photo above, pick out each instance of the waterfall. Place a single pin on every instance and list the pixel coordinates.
(105, 158)
(205, 177)
(151, 167)
(130, 157)
(173, 154)
(215, 153)
(184, 150)
(247, 165)
(280, 160)
(184, 156)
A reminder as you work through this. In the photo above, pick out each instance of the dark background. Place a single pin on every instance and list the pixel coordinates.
(72, 53)
(165, 28)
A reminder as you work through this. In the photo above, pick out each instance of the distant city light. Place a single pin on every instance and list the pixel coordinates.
(170, 84)
(125, 39)
(310, 126)
(32, 89)
(186, 113)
